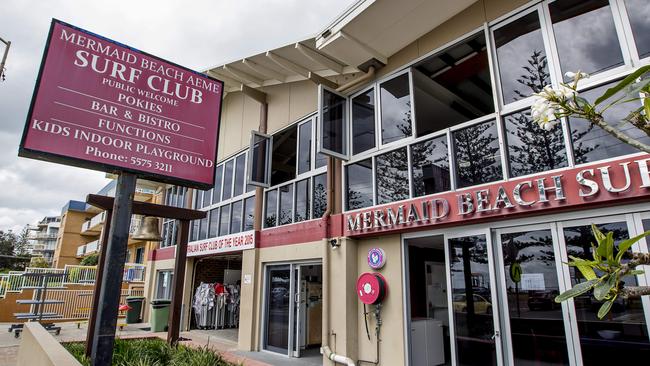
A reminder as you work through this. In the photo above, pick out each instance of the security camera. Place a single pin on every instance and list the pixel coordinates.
(334, 243)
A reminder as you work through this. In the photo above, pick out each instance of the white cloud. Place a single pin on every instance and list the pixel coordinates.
(196, 34)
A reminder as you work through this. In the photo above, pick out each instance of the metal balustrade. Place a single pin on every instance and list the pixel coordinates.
(77, 303)
(75, 275)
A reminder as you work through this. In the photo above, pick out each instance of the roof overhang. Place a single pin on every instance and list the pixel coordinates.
(377, 29)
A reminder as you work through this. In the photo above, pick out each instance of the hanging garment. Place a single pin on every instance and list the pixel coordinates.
(203, 305)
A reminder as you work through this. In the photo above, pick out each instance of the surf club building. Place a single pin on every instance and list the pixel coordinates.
(383, 196)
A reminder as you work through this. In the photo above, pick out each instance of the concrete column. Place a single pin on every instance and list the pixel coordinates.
(248, 307)
(343, 335)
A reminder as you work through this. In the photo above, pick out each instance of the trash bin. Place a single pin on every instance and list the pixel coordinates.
(159, 315)
(135, 309)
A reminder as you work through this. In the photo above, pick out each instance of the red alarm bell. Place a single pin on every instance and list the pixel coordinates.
(371, 288)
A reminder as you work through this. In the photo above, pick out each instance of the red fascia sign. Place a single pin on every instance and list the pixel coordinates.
(222, 244)
(102, 105)
(604, 183)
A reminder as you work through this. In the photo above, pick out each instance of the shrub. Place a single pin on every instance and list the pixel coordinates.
(152, 352)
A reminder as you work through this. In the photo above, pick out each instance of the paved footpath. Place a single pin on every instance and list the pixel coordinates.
(220, 341)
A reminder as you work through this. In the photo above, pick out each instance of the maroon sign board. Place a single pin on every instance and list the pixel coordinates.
(101, 105)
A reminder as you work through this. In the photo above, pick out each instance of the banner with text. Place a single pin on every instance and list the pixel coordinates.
(222, 244)
(101, 105)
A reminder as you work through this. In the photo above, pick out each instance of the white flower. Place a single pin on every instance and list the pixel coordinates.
(543, 112)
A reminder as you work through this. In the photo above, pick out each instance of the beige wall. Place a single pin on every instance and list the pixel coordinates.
(241, 114)
(70, 238)
(150, 281)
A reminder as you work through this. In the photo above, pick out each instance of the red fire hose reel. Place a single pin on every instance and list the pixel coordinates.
(371, 288)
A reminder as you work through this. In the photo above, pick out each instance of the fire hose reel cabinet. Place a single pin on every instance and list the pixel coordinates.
(371, 288)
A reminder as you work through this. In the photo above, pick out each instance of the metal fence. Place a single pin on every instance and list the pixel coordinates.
(14, 281)
(77, 303)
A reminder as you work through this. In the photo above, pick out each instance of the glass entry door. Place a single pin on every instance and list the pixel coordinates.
(278, 285)
(533, 323)
(624, 330)
(475, 331)
(293, 310)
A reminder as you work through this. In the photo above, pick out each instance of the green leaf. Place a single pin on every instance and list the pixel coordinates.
(609, 245)
(576, 290)
(625, 82)
(635, 272)
(646, 107)
(584, 266)
(597, 233)
(605, 308)
(627, 244)
(604, 287)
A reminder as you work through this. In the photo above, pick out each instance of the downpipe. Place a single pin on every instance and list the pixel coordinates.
(325, 350)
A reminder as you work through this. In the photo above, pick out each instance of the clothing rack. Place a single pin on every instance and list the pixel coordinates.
(37, 309)
(216, 310)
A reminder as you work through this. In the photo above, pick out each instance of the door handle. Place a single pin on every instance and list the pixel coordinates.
(496, 334)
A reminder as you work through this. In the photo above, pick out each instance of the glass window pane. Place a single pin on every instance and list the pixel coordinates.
(363, 122)
(523, 68)
(207, 198)
(216, 192)
(240, 167)
(624, 327)
(224, 220)
(392, 176)
(304, 148)
(284, 156)
(196, 224)
(477, 154)
(270, 214)
(227, 180)
(395, 109)
(203, 231)
(430, 166)
(358, 184)
(319, 195)
(235, 222)
(472, 302)
(534, 314)
(532, 149)
(302, 201)
(585, 36)
(260, 150)
(286, 204)
(638, 12)
(453, 86)
(214, 223)
(198, 199)
(334, 123)
(249, 213)
(591, 143)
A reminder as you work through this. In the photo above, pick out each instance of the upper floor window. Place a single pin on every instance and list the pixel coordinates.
(298, 192)
(175, 196)
(585, 35)
(230, 204)
(395, 96)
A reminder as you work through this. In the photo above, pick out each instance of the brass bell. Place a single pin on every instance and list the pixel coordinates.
(148, 229)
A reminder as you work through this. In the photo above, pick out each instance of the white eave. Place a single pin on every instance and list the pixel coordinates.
(379, 28)
(367, 30)
(293, 62)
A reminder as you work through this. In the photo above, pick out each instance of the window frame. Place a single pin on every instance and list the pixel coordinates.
(311, 174)
(346, 124)
(249, 161)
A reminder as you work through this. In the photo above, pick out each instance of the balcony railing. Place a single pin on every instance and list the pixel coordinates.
(81, 250)
(134, 272)
(92, 247)
(94, 223)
